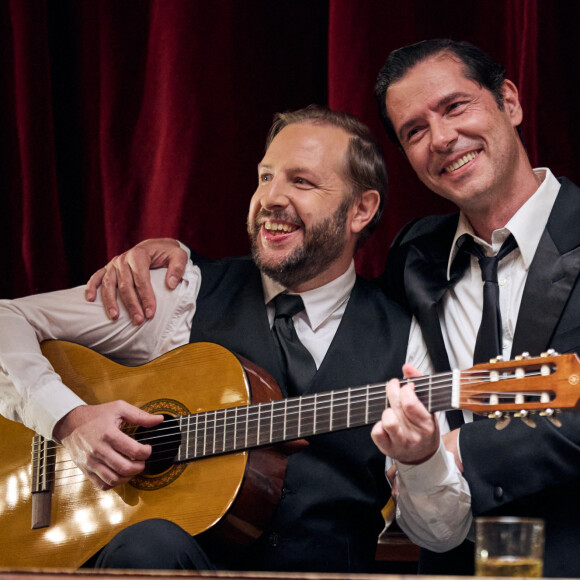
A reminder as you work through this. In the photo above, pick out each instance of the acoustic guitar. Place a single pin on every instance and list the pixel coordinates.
(219, 457)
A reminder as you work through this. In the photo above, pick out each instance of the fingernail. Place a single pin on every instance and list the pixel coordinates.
(173, 281)
(112, 314)
(137, 319)
(148, 313)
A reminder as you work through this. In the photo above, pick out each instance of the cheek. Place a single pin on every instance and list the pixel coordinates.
(254, 207)
(417, 159)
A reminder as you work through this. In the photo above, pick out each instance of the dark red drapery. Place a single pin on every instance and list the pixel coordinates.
(133, 119)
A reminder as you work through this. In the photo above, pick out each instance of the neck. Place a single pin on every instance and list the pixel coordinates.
(336, 270)
(502, 205)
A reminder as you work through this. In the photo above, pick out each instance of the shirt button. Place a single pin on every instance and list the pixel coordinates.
(498, 493)
(502, 281)
(274, 540)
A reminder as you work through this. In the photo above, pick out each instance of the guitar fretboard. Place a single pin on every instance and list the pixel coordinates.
(238, 428)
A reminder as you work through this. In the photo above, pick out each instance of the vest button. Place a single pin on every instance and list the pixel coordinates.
(498, 493)
(274, 540)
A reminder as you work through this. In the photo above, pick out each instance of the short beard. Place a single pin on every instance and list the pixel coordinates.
(323, 244)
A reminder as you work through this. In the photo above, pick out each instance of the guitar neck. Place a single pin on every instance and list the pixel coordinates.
(238, 428)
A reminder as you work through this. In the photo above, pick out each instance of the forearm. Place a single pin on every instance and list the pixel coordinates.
(31, 392)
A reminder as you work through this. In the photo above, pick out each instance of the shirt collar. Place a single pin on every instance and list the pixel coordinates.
(319, 303)
(526, 225)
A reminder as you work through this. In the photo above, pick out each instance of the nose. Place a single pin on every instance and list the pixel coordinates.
(443, 135)
(274, 195)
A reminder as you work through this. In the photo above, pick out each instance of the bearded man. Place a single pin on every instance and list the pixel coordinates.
(321, 189)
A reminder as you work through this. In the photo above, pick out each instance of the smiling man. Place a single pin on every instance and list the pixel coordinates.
(456, 118)
(321, 188)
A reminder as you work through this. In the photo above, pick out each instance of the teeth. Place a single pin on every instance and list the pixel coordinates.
(271, 227)
(461, 162)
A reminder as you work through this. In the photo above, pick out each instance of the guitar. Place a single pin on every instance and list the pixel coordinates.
(219, 457)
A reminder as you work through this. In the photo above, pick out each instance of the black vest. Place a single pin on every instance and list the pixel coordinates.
(328, 518)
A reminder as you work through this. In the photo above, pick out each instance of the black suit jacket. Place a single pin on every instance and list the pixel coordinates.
(517, 471)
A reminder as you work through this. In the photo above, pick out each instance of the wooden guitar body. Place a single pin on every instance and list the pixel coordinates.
(195, 495)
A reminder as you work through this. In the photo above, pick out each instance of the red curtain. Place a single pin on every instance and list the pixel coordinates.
(126, 120)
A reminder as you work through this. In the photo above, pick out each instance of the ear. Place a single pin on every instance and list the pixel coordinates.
(511, 102)
(364, 209)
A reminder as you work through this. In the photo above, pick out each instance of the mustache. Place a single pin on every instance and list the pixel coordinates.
(278, 215)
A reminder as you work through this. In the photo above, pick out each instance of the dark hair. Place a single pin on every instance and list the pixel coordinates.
(365, 164)
(478, 67)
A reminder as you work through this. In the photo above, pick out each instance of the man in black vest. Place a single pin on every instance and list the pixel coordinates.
(321, 190)
(456, 118)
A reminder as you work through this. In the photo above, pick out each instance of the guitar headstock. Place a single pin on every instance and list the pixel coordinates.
(522, 386)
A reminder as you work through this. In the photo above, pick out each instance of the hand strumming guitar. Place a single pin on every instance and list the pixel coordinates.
(92, 436)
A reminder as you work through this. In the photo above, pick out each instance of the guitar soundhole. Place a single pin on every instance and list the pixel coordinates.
(165, 440)
(161, 469)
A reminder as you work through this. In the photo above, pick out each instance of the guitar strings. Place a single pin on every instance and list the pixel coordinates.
(304, 405)
(338, 401)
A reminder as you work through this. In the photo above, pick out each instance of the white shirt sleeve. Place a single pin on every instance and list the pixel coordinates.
(434, 501)
(31, 392)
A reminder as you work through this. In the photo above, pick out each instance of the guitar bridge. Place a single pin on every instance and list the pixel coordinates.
(43, 462)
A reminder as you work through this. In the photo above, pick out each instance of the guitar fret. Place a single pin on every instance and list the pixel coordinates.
(348, 410)
(314, 413)
(331, 412)
(308, 416)
(225, 431)
(246, 429)
(251, 429)
(235, 438)
(367, 404)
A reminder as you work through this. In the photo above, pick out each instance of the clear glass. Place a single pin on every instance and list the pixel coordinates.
(509, 547)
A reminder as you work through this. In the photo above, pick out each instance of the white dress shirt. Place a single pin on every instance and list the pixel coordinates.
(32, 393)
(434, 504)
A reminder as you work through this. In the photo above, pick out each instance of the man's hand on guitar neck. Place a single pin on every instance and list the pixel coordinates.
(129, 274)
(95, 442)
(406, 432)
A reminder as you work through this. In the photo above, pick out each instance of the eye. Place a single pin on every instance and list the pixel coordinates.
(413, 134)
(457, 107)
(302, 182)
(265, 177)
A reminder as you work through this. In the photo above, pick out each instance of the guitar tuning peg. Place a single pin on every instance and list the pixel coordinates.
(524, 355)
(550, 414)
(524, 416)
(502, 422)
(528, 422)
(549, 352)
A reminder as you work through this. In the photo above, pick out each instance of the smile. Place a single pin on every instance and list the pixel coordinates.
(274, 228)
(461, 161)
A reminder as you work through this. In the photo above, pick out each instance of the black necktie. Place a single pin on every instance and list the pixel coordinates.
(297, 362)
(489, 336)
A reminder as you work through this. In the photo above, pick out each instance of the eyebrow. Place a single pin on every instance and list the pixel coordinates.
(441, 103)
(297, 169)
